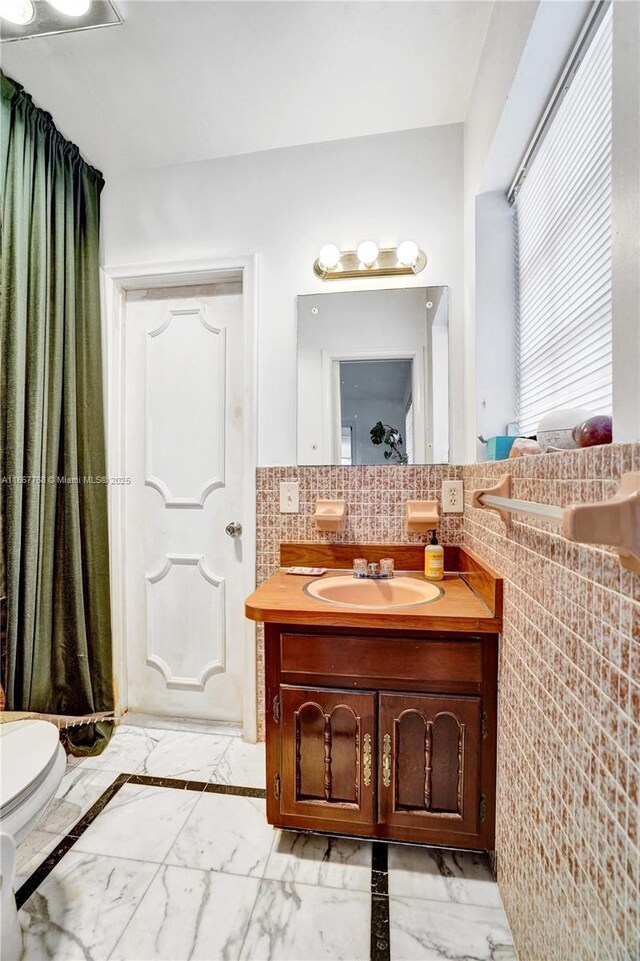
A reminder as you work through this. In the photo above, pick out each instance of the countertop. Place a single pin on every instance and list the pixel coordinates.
(282, 600)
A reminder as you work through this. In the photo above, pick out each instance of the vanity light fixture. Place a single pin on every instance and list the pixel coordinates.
(408, 253)
(329, 257)
(369, 261)
(368, 253)
(71, 8)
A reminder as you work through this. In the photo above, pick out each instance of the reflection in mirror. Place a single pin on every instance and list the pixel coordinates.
(373, 377)
(385, 386)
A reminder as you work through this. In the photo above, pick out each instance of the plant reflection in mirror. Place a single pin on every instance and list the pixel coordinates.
(384, 434)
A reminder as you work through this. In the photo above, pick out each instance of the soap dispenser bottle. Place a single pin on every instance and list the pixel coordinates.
(434, 559)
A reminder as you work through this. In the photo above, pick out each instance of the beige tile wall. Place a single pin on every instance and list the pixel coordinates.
(375, 499)
(567, 853)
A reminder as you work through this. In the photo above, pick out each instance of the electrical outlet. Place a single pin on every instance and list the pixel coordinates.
(452, 497)
(289, 497)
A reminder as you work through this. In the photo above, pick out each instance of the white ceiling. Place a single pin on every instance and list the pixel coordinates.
(186, 80)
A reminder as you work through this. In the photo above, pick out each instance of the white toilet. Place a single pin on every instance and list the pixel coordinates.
(32, 762)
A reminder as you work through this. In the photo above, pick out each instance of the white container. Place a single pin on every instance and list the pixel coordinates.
(556, 428)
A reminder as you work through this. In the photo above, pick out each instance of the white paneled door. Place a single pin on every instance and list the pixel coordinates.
(183, 503)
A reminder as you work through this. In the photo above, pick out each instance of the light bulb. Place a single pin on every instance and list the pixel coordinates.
(408, 252)
(71, 8)
(329, 256)
(17, 11)
(368, 252)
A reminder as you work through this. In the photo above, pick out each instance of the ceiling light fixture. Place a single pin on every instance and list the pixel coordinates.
(71, 8)
(55, 17)
(369, 261)
(21, 12)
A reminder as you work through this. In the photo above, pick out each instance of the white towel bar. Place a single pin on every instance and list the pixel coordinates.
(544, 511)
(615, 522)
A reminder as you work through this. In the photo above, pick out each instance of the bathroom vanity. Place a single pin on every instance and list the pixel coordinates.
(381, 721)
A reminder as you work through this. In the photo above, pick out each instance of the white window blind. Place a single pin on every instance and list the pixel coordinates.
(563, 251)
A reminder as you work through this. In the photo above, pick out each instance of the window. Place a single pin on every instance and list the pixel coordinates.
(563, 248)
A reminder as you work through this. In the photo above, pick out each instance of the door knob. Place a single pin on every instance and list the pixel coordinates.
(234, 529)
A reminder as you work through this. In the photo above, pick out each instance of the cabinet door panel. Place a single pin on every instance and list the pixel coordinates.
(327, 753)
(429, 775)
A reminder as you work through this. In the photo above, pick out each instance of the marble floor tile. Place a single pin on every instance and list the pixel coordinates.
(313, 859)
(225, 833)
(184, 754)
(300, 922)
(461, 877)
(243, 765)
(191, 914)
(439, 931)
(79, 789)
(125, 752)
(80, 910)
(35, 842)
(198, 726)
(31, 852)
(139, 822)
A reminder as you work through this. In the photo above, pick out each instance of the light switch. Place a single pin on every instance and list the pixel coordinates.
(289, 497)
(452, 497)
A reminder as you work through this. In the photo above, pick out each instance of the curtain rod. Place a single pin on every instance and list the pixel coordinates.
(596, 14)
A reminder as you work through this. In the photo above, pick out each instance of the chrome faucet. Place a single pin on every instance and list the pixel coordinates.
(374, 570)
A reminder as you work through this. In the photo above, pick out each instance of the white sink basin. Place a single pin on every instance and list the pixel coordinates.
(350, 591)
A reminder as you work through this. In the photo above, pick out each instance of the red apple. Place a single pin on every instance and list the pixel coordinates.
(595, 430)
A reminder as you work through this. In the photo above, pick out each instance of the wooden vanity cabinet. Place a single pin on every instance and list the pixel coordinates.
(388, 735)
(326, 748)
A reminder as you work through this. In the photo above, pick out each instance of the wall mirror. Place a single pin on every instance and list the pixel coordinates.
(373, 377)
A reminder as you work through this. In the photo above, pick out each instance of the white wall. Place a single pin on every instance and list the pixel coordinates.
(284, 204)
(525, 49)
(495, 344)
(505, 40)
(440, 363)
(626, 222)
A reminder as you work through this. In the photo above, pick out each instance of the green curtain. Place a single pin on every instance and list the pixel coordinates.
(52, 447)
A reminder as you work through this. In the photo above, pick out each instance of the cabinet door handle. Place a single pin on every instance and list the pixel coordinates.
(366, 761)
(386, 760)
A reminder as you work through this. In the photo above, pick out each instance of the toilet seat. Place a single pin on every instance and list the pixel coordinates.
(29, 750)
